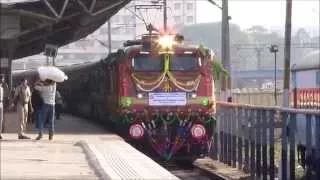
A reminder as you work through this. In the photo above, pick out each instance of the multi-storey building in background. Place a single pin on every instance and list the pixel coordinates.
(126, 24)
(180, 13)
(183, 12)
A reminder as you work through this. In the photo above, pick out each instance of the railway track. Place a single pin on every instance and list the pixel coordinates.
(187, 171)
(184, 170)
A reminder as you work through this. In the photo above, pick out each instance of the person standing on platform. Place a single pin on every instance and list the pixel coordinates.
(59, 104)
(22, 98)
(1, 102)
(47, 112)
(37, 103)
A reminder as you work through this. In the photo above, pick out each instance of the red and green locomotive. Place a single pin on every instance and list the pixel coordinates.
(164, 95)
(156, 92)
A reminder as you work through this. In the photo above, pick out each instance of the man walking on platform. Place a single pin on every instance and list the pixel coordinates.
(22, 97)
(47, 112)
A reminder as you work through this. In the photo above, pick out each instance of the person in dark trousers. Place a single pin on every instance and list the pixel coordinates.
(59, 104)
(37, 103)
(48, 93)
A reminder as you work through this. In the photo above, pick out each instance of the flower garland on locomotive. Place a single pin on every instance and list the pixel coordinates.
(171, 108)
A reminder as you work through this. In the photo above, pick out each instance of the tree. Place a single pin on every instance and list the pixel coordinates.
(301, 36)
(259, 34)
(260, 57)
(257, 29)
(210, 35)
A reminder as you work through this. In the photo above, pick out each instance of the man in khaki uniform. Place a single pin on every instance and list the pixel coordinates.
(22, 96)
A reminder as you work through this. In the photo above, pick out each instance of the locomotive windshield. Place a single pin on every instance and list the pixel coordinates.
(147, 63)
(184, 63)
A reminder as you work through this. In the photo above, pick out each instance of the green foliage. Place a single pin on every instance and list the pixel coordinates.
(218, 70)
(204, 50)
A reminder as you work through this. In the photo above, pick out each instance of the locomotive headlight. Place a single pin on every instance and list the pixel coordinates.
(139, 96)
(166, 41)
(194, 95)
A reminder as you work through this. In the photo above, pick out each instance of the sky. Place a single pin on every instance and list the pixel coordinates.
(269, 13)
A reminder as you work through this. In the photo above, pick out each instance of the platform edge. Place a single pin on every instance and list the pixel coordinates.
(93, 161)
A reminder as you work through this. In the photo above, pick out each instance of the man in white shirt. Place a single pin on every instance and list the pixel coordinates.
(48, 93)
(22, 96)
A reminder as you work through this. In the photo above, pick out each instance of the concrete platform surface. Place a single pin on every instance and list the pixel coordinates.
(121, 161)
(30, 159)
(80, 150)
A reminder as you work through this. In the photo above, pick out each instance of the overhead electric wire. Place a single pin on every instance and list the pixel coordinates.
(134, 13)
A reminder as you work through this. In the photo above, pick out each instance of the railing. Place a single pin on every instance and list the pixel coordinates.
(259, 97)
(247, 139)
(293, 127)
(254, 96)
(306, 98)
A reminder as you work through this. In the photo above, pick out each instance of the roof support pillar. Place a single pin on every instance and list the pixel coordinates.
(6, 57)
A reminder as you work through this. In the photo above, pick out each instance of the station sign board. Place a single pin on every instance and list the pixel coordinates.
(168, 99)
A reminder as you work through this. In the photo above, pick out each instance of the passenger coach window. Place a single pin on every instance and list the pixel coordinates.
(147, 63)
(184, 63)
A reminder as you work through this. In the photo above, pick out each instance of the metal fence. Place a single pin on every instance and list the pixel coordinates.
(308, 98)
(254, 96)
(246, 139)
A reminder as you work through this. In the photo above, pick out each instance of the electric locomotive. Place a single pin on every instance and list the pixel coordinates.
(156, 92)
(163, 95)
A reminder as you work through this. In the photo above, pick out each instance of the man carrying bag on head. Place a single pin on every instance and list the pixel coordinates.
(47, 90)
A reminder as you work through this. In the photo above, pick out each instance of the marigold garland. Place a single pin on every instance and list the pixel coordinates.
(194, 83)
(159, 79)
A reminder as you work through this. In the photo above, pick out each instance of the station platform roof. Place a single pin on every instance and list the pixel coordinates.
(27, 25)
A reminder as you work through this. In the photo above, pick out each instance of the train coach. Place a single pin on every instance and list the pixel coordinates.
(306, 82)
(306, 95)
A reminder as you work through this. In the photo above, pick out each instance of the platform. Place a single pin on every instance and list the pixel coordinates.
(121, 161)
(80, 150)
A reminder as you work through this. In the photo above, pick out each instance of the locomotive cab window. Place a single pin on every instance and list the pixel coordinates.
(184, 63)
(147, 63)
